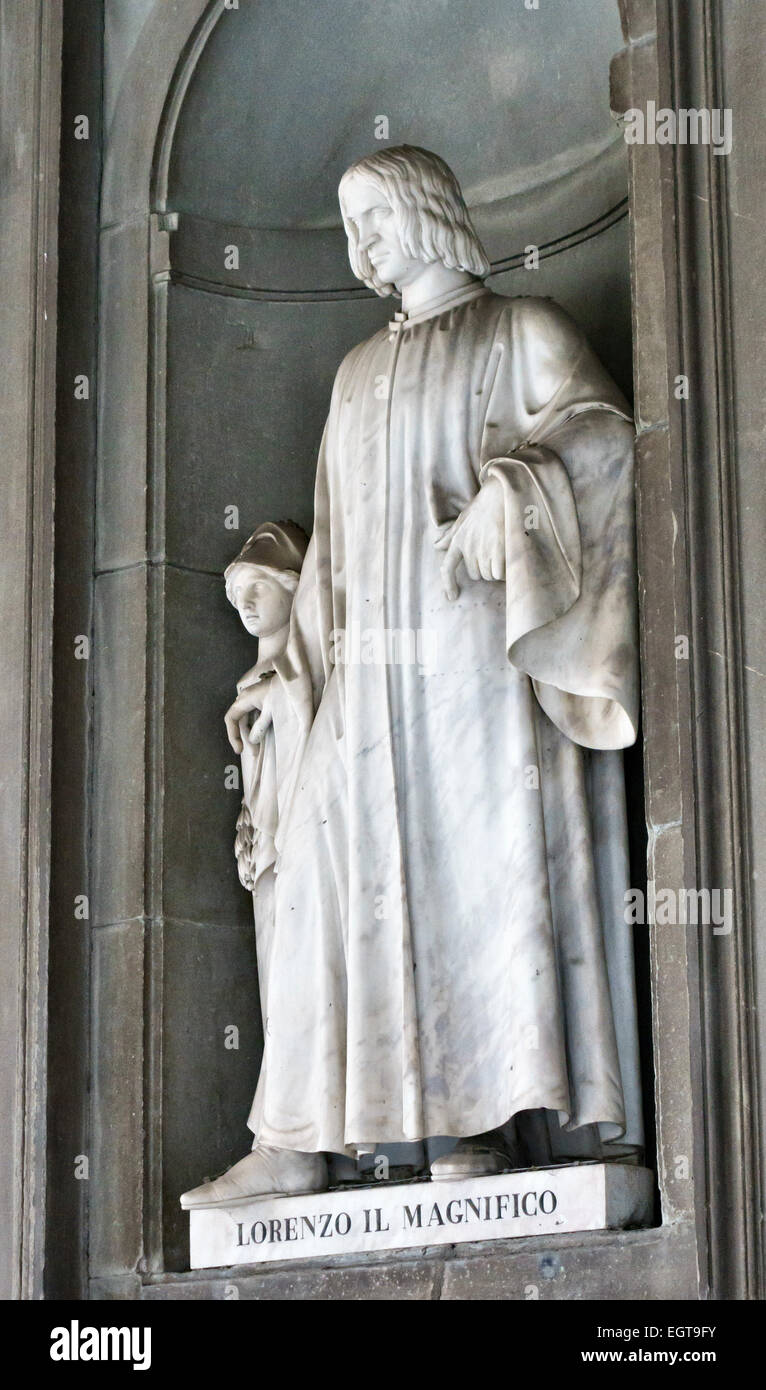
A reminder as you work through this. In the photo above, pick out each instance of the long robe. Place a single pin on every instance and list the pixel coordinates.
(255, 848)
(449, 944)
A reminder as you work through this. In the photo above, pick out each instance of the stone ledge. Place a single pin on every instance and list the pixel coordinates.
(606, 1265)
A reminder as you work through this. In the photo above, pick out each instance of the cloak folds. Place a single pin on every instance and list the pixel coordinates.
(449, 941)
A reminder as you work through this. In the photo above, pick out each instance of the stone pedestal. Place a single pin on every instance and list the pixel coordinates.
(532, 1202)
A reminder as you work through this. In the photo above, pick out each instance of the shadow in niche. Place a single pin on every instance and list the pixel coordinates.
(638, 841)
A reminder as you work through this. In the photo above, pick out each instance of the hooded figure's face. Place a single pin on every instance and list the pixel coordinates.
(262, 602)
(376, 227)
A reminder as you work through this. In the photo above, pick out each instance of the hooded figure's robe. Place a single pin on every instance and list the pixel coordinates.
(449, 944)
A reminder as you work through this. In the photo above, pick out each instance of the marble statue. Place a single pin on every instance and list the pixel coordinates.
(449, 954)
(261, 584)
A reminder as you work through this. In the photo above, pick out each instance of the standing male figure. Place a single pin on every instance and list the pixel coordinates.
(450, 950)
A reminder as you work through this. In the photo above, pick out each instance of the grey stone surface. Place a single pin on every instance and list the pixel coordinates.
(663, 616)
(117, 662)
(140, 69)
(627, 1266)
(659, 628)
(673, 959)
(30, 62)
(290, 261)
(122, 423)
(743, 39)
(715, 325)
(115, 1153)
(210, 984)
(320, 98)
(76, 444)
(117, 1289)
(248, 393)
(123, 23)
(416, 1280)
(205, 651)
(634, 77)
(630, 1268)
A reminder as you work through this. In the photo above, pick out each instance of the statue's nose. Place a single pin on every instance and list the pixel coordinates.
(367, 239)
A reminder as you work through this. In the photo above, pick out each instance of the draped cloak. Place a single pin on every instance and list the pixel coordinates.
(449, 944)
(260, 791)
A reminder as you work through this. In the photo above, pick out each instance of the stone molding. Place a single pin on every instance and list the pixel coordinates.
(29, 93)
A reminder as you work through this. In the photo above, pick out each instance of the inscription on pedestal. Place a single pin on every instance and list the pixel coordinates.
(581, 1197)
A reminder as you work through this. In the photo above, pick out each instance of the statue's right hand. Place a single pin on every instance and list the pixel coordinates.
(244, 704)
(260, 728)
(476, 539)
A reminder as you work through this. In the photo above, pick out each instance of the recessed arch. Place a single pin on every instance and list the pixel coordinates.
(161, 59)
(137, 268)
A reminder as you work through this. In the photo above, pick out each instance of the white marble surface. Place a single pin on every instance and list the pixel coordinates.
(450, 946)
(535, 1202)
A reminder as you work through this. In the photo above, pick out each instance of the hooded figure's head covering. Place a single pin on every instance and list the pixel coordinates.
(279, 545)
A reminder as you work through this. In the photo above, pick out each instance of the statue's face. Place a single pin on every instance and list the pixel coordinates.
(262, 603)
(378, 233)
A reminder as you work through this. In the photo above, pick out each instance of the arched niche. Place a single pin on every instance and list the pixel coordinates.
(261, 307)
(236, 367)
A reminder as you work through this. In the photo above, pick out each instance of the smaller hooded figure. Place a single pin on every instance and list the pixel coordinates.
(261, 584)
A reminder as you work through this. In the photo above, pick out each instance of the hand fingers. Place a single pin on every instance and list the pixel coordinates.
(233, 737)
(231, 720)
(492, 566)
(259, 728)
(247, 701)
(448, 571)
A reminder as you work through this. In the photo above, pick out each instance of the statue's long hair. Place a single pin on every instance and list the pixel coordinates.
(432, 219)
